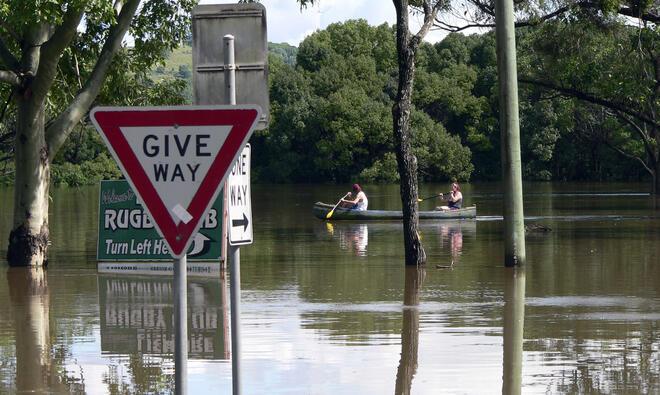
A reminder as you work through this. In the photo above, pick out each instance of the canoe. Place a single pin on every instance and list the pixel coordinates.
(321, 210)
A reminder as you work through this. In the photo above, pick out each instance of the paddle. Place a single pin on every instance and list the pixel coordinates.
(430, 197)
(333, 209)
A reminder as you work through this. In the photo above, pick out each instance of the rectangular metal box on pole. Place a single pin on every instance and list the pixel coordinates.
(247, 23)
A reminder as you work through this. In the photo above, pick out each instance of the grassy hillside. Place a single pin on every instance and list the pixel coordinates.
(179, 64)
(179, 61)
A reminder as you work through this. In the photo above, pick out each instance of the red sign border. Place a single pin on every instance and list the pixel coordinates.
(109, 120)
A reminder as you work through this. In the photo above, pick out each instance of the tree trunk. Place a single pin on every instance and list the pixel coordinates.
(29, 236)
(407, 162)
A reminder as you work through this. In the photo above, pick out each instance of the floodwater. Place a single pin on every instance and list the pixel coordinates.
(329, 308)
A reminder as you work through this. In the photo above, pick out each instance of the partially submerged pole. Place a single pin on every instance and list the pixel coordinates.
(234, 251)
(181, 326)
(514, 223)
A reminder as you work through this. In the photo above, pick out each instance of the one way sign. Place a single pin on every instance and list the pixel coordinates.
(239, 203)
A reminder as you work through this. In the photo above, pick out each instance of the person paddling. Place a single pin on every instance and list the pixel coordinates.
(454, 200)
(359, 202)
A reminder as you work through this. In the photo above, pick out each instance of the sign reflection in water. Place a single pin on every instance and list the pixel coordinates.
(137, 316)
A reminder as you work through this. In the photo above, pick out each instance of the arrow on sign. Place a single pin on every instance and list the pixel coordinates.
(200, 245)
(241, 222)
(176, 159)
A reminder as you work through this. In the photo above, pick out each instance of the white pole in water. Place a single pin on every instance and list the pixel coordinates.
(234, 251)
(180, 326)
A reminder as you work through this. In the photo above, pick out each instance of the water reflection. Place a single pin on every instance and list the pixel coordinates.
(319, 319)
(137, 316)
(514, 317)
(36, 371)
(352, 237)
(410, 329)
(452, 235)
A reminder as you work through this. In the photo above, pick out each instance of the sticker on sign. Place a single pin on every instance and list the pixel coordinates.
(239, 201)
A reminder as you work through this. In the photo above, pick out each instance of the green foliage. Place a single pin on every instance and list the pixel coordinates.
(455, 86)
(83, 160)
(609, 66)
(331, 115)
(287, 53)
(86, 173)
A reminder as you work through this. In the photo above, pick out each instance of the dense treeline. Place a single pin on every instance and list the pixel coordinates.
(331, 101)
(332, 119)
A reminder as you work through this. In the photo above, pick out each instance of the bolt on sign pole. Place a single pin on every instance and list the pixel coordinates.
(514, 225)
(234, 251)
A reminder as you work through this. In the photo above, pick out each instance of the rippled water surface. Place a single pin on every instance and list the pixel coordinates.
(329, 308)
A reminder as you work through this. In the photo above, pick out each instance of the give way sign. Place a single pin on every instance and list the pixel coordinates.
(176, 159)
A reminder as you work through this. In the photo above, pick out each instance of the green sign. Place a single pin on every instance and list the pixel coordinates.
(126, 232)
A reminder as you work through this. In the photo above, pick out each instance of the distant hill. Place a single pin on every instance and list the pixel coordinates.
(285, 51)
(179, 63)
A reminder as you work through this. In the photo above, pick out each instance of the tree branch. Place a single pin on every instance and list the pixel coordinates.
(51, 51)
(648, 145)
(487, 9)
(10, 77)
(627, 155)
(591, 99)
(429, 17)
(8, 58)
(10, 31)
(57, 132)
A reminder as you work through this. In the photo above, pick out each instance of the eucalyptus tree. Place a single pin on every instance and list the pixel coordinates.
(44, 46)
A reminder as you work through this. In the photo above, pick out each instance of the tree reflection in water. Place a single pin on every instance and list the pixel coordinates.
(410, 329)
(36, 370)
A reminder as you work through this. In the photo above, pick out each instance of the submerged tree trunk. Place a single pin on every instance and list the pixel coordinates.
(29, 237)
(406, 46)
(407, 162)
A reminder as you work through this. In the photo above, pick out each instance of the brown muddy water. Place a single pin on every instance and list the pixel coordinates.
(329, 308)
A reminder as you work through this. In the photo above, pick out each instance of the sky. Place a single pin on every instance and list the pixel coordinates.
(287, 23)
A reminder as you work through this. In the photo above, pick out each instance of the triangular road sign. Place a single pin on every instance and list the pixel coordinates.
(176, 159)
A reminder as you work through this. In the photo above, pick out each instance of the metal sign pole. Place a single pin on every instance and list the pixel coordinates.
(235, 300)
(234, 251)
(180, 326)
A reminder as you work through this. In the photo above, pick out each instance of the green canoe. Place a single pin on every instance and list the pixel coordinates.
(321, 210)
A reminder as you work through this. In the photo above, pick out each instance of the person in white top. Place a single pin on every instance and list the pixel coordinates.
(360, 202)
